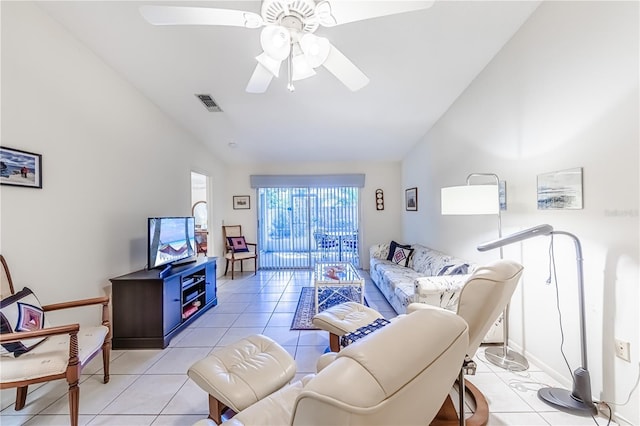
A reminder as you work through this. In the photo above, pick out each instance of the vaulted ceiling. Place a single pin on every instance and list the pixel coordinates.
(418, 63)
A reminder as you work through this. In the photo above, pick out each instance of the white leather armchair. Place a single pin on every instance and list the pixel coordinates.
(399, 375)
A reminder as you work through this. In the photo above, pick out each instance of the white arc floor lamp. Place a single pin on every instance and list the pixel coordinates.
(579, 400)
(481, 199)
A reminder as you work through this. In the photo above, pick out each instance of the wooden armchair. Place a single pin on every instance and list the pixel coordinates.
(61, 355)
(239, 252)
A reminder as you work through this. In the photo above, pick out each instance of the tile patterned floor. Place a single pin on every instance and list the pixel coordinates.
(150, 387)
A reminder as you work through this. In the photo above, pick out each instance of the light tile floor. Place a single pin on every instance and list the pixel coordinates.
(150, 387)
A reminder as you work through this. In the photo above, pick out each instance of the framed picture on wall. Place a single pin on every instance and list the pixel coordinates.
(561, 190)
(241, 202)
(20, 168)
(411, 199)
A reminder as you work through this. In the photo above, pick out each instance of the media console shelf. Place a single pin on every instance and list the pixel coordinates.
(148, 310)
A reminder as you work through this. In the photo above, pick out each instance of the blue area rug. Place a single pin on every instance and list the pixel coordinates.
(306, 309)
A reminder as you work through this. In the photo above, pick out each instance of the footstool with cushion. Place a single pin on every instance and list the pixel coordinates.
(344, 318)
(242, 373)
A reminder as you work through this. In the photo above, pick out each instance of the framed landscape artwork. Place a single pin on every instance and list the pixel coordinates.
(20, 168)
(411, 199)
(560, 190)
(241, 202)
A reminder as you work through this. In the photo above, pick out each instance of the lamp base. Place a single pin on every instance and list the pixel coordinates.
(578, 402)
(564, 400)
(505, 358)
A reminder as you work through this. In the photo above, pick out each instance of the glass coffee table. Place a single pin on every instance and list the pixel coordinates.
(336, 282)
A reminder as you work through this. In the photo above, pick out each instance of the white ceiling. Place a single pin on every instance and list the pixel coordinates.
(418, 63)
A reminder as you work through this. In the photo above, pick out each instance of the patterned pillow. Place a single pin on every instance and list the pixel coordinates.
(401, 256)
(454, 269)
(20, 312)
(238, 244)
(392, 249)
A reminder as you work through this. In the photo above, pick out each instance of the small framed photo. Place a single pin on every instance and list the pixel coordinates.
(20, 168)
(411, 199)
(241, 202)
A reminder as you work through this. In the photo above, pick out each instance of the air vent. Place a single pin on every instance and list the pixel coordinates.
(209, 103)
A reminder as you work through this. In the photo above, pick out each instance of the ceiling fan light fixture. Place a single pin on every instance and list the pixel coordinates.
(316, 49)
(273, 65)
(301, 68)
(276, 41)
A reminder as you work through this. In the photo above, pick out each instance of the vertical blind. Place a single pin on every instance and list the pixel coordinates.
(304, 225)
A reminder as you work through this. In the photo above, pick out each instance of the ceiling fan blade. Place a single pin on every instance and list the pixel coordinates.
(345, 70)
(270, 64)
(338, 12)
(260, 80)
(177, 15)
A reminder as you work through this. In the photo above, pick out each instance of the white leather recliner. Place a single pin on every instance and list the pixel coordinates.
(399, 375)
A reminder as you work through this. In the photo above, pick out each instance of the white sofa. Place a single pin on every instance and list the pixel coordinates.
(427, 278)
(430, 277)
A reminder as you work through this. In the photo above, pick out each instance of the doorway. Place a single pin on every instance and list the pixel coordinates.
(199, 198)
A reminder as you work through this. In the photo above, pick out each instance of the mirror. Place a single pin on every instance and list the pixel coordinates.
(199, 211)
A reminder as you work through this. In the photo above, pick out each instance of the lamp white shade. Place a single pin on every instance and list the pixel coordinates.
(301, 68)
(316, 49)
(470, 200)
(276, 41)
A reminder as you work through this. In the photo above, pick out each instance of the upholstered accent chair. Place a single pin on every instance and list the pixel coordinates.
(482, 299)
(237, 249)
(399, 375)
(47, 352)
(201, 242)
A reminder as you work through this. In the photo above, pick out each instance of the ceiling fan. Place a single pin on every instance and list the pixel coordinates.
(288, 34)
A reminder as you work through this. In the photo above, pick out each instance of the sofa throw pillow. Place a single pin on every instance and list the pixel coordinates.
(20, 312)
(401, 256)
(238, 244)
(392, 249)
(462, 269)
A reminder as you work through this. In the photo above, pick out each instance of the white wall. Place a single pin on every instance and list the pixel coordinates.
(110, 160)
(562, 93)
(377, 225)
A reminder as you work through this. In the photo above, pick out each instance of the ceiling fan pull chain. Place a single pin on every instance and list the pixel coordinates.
(290, 70)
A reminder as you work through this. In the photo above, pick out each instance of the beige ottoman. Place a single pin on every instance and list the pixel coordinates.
(242, 373)
(344, 318)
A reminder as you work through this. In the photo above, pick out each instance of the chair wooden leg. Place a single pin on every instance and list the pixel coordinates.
(233, 268)
(216, 408)
(334, 342)
(255, 265)
(21, 397)
(74, 402)
(480, 416)
(226, 268)
(106, 357)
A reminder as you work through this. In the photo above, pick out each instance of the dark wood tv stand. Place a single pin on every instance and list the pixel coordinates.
(148, 310)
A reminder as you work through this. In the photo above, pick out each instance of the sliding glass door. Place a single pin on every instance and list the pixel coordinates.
(301, 226)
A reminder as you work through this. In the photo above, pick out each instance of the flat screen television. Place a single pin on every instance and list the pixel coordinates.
(170, 240)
